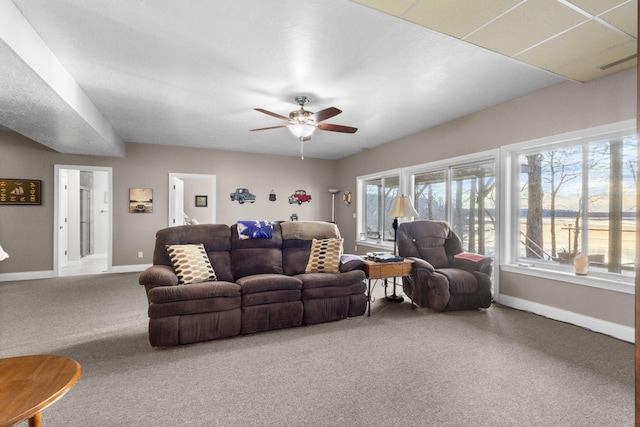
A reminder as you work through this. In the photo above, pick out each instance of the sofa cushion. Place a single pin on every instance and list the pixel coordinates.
(256, 256)
(268, 282)
(307, 230)
(166, 294)
(296, 242)
(191, 263)
(331, 280)
(216, 240)
(325, 256)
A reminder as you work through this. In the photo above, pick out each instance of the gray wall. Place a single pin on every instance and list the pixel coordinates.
(26, 232)
(562, 108)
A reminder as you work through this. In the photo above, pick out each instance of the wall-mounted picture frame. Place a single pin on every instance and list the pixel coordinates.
(201, 201)
(20, 191)
(140, 200)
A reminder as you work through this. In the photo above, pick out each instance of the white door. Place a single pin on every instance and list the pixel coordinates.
(64, 222)
(63, 231)
(177, 202)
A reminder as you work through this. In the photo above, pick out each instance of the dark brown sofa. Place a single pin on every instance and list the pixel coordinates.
(261, 284)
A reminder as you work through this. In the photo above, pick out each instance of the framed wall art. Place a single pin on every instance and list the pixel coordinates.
(201, 201)
(20, 191)
(140, 200)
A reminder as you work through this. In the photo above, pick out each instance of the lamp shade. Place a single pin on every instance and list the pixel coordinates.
(403, 207)
(301, 130)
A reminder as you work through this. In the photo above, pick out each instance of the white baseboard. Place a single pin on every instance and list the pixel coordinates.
(621, 332)
(26, 275)
(134, 268)
(48, 274)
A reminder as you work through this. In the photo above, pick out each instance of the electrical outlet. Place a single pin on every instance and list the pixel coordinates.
(140, 255)
(354, 215)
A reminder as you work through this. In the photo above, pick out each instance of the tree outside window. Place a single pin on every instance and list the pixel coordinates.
(464, 196)
(580, 199)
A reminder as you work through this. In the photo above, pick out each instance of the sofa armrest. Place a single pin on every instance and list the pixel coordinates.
(158, 275)
(473, 262)
(349, 262)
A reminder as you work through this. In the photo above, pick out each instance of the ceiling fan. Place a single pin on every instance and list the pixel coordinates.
(302, 123)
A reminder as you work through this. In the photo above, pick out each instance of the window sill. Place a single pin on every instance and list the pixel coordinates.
(624, 285)
(386, 246)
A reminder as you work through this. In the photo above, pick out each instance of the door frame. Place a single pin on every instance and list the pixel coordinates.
(186, 176)
(56, 211)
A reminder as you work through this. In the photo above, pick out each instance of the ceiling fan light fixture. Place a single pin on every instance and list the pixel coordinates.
(301, 130)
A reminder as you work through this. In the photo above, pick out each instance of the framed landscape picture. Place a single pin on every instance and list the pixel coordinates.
(140, 200)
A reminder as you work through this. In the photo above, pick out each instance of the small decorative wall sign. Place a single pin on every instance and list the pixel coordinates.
(140, 200)
(346, 197)
(299, 197)
(20, 191)
(201, 201)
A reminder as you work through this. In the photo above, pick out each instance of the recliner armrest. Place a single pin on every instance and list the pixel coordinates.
(419, 263)
(158, 275)
(473, 262)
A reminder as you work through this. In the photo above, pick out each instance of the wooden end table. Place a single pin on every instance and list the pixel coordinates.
(29, 384)
(385, 270)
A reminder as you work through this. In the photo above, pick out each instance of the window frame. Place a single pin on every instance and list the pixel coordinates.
(360, 207)
(447, 165)
(509, 257)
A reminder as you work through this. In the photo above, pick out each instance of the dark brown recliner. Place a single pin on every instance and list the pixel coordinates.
(444, 277)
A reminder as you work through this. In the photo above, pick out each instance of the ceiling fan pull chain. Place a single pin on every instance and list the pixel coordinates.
(301, 148)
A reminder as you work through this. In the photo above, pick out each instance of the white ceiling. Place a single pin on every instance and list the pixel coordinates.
(84, 76)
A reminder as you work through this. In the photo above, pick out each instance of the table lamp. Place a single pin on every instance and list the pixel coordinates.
(402, 208)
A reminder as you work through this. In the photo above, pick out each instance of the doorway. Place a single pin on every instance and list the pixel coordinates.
(82, 220)
(184, 188)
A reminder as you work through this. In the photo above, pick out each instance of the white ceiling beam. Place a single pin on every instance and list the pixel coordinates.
(43, 94)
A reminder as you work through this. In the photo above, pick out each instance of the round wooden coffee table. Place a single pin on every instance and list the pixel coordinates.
(29, 384)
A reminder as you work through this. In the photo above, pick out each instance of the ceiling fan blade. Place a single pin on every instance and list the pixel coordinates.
(336, 128)
(270, 113)
(270, 127)
(325, 114)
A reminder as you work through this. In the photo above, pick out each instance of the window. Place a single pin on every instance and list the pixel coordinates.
(379, 194)
(576, 196)
(463, 194)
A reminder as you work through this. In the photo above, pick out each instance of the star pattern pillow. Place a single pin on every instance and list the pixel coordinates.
(191, 264)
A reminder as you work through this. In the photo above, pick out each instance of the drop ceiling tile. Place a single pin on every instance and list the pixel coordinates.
(456, 18)
(589, 68)
(587, 40)
(395, 7)
(596, 7)
(525, 26)
(624, 17)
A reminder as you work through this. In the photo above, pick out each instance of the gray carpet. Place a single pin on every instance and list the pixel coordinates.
(399, 367)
